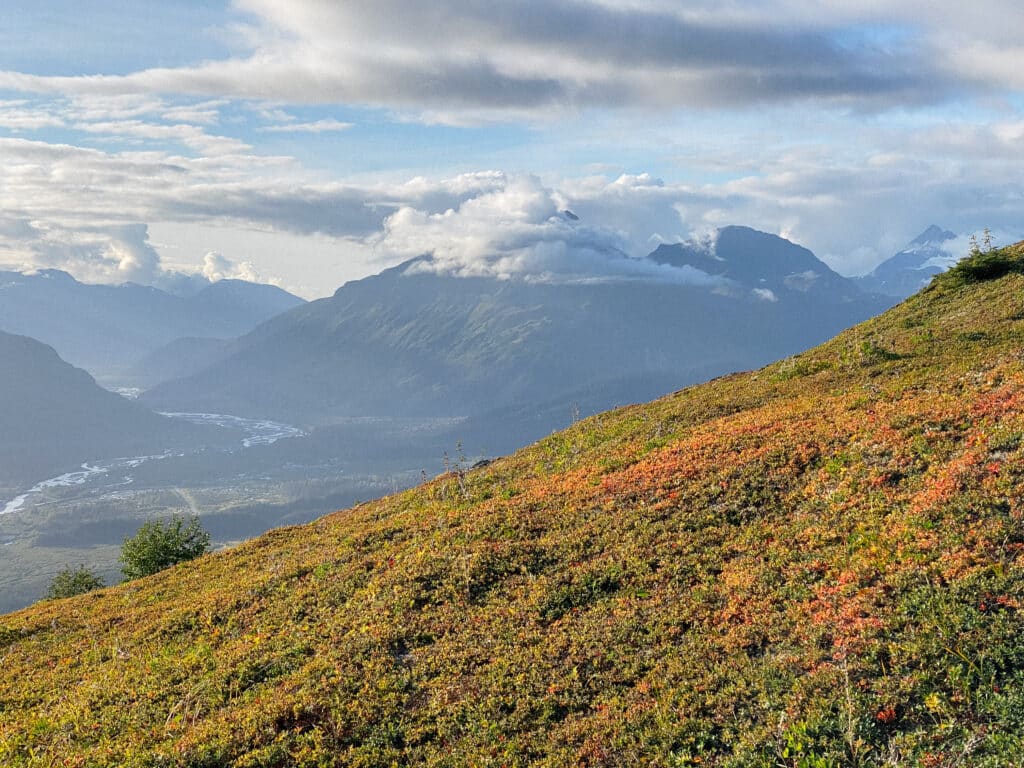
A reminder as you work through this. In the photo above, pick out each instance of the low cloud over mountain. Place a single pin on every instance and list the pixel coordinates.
(521, 229)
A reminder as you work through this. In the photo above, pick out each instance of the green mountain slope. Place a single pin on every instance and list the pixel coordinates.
(820, 563)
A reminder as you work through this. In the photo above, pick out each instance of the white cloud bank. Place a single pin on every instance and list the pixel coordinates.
(855, 189)
(89, 211)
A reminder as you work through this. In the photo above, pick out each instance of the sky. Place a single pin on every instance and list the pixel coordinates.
(312, 142)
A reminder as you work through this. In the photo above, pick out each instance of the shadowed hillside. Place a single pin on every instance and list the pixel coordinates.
(820, 563)
(54, 416)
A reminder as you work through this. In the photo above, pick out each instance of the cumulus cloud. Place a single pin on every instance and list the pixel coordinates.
(521, 230)
(216, 267)
(114, 254)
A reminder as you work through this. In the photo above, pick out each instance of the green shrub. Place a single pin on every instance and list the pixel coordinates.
(981, 264)
(159, 545)
(984, 266)
(73, 581)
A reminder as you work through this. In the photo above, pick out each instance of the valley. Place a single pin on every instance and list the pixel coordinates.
(268, 477)
(395, 377)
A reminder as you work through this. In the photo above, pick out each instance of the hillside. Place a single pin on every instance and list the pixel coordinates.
(414, 342)
(54, 416)
(108, 329)
(820, 563)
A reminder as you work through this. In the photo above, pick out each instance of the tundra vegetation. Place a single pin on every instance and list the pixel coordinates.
(820, 563)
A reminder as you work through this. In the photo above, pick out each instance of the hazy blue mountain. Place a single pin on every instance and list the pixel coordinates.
(770, 266)
(180, 358)
(54, 416)
(413, 342)
(908, 271)
(108, 329)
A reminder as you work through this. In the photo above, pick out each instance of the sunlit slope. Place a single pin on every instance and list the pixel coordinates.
(817, 564)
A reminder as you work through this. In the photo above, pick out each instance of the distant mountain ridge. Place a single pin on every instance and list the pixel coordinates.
(413, 342)
(108, 329)
(768, 265)
(906, 272)
(54, 416)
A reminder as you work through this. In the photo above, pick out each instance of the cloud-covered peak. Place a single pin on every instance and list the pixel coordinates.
(521, 230)
(216, 267)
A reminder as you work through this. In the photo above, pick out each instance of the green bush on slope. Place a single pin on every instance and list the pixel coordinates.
(158, 545)
(73, 581)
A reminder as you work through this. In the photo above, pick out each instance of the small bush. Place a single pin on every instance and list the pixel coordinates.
(73, 581)
(159, 545)
(981, 264)
(984, 266)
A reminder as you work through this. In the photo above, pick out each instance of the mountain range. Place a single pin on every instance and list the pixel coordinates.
(110, 329)
(818, 563)
(412, 341)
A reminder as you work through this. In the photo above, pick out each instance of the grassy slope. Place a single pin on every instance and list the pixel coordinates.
(816, 564)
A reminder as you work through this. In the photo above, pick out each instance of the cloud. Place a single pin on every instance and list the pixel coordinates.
(19, 116)
(189, 135)
(750, 113)
(114, 254)
(75, 184)
(765, 294)
(319, 126)
(69, 206)
(533, 58)
(113, 106)
(86, 210)
(218, 267)
(520, 230)
(205, 113)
